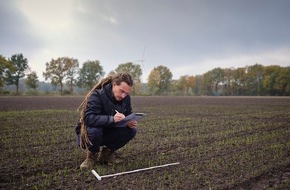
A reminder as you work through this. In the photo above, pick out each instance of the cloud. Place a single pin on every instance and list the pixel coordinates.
(189, 37)
(47, 15)
(198, 67)
(15, 34)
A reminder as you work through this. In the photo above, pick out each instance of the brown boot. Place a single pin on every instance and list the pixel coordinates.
(90, 161)
(109, 157)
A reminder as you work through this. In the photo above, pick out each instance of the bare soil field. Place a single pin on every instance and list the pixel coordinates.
(220, 142)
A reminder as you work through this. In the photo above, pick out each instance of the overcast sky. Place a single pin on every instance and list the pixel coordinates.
(190, 37)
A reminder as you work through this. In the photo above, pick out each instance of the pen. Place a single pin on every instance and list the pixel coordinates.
(117, 111)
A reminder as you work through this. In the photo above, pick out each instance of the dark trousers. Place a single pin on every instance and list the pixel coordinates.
(111, 137)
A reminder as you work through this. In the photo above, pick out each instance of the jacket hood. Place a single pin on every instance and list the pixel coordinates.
(109, 93)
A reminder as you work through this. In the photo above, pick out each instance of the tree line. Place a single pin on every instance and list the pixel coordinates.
(66, 74)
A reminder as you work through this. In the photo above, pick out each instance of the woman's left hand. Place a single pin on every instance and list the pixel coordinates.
(132, 124)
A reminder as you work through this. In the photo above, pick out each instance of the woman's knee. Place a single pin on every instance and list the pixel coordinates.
(132, 132)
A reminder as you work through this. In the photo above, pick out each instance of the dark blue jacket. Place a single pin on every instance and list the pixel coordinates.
(101, 108)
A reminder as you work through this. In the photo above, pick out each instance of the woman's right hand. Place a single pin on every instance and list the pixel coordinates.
(118, 117)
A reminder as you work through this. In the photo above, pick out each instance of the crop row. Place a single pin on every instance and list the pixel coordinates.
(218, 147)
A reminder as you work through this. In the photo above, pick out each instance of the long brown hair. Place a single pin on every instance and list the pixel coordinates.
(116, 78)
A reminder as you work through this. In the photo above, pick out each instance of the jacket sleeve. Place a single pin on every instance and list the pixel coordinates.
(94, 115)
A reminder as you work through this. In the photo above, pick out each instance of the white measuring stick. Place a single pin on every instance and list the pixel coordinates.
(133, 171)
